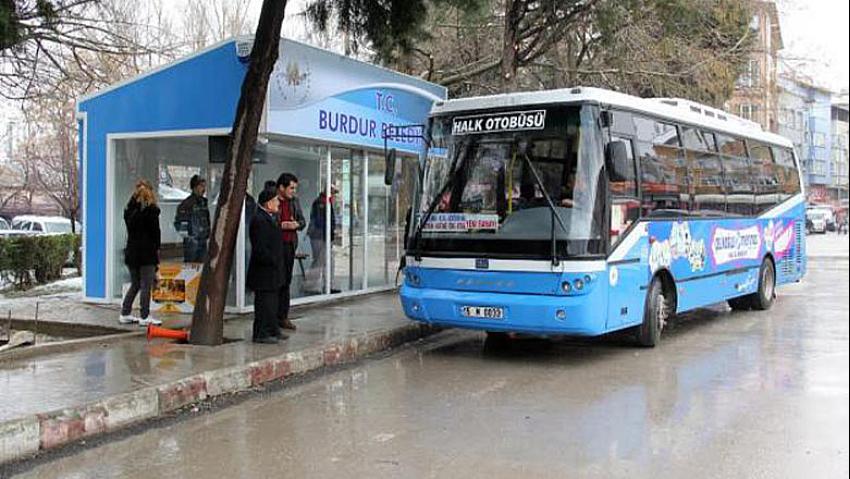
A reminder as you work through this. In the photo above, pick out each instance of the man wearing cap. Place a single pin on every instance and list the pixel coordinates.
(291, 220)
(266, 268)
(192, 221)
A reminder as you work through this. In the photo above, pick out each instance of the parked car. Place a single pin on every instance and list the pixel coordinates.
(816, 221)
(7, 233)
(827, 213)
(44, 224)
(4, 225)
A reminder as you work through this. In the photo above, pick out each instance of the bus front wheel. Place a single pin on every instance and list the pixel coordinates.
(656, 314)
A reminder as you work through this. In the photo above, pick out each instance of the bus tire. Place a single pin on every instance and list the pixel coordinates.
(741, 303)
(656, 314)
(762, 300)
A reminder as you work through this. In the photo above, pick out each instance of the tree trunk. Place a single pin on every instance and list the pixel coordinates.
(208, 316)
(510, 44)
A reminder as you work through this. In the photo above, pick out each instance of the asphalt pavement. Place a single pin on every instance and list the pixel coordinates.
(754, 394)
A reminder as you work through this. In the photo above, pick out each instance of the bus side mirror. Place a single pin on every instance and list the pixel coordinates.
(617, 161)
(389, 168)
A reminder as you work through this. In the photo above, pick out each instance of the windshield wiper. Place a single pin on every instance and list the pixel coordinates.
(549, 202)
(453, 170)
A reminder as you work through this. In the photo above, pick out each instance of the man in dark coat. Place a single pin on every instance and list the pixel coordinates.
(292, 221)
(266, 268)
(193, 222)
(317, 232)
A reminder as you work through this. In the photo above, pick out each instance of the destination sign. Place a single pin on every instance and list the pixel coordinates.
(499, 122)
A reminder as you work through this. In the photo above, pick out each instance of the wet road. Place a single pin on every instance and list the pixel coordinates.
(725, 395)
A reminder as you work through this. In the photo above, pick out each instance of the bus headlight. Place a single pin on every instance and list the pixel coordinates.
(413, 278)
(566, 286)
(587, 279)
(578, 284)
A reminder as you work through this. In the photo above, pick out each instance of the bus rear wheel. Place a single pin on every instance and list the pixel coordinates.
(656, 314)
(741, 303)
(762, 299)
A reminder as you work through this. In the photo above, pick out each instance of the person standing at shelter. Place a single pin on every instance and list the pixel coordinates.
(193, 222)
(291, 222)
(266, 268)
(141, 217)
(317, 232)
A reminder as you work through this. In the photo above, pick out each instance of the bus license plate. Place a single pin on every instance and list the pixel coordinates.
(486, 312)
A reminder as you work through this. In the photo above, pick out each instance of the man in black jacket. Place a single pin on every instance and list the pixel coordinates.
(266, 268)
(193, 222)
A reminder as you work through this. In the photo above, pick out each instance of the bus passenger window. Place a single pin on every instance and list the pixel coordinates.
(764, 176)
(786, 173)
(705, 172)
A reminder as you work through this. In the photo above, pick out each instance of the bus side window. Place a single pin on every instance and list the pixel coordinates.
(740, 192)
(625, 203)
(663, 173)
(786, 173)
(705, 172)
(764, 176)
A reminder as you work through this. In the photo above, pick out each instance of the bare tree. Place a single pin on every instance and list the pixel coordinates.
(209, 21)
(50, 41)
(50, 152)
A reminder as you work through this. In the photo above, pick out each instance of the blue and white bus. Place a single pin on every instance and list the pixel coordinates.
(584, 211)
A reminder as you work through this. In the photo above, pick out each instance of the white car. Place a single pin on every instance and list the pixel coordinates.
(44, 224)
(816, 221)
(4, 225)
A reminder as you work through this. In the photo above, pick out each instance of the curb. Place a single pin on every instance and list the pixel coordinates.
(26, 436)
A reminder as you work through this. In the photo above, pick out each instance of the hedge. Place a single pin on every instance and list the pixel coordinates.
(26, 261)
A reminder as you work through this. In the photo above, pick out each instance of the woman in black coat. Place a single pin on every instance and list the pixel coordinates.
(266, 268)
(141, 217)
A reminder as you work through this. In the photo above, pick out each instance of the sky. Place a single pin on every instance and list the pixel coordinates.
(818, 30)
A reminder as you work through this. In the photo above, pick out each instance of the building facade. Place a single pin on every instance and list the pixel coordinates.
(324, 120)
(840, 160)
(756, 95)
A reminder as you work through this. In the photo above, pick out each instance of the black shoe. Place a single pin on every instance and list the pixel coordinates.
(281, 335)
(266, 340)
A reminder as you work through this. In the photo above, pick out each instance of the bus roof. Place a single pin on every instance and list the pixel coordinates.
(673, 109)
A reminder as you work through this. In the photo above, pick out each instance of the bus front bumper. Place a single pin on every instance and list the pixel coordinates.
(582, 315)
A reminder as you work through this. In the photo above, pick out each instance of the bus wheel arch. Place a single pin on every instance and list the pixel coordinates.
(659, 307)
(669, 283)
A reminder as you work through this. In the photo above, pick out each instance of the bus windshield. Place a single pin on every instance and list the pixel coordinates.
(494, 182)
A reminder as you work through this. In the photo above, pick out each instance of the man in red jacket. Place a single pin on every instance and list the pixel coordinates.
(291, 222)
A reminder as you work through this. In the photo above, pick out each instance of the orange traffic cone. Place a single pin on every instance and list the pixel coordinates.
(158, 332)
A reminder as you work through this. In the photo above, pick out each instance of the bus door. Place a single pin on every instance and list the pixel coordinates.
(626, 270)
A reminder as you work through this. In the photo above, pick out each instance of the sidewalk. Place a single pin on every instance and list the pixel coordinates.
(51, 400)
